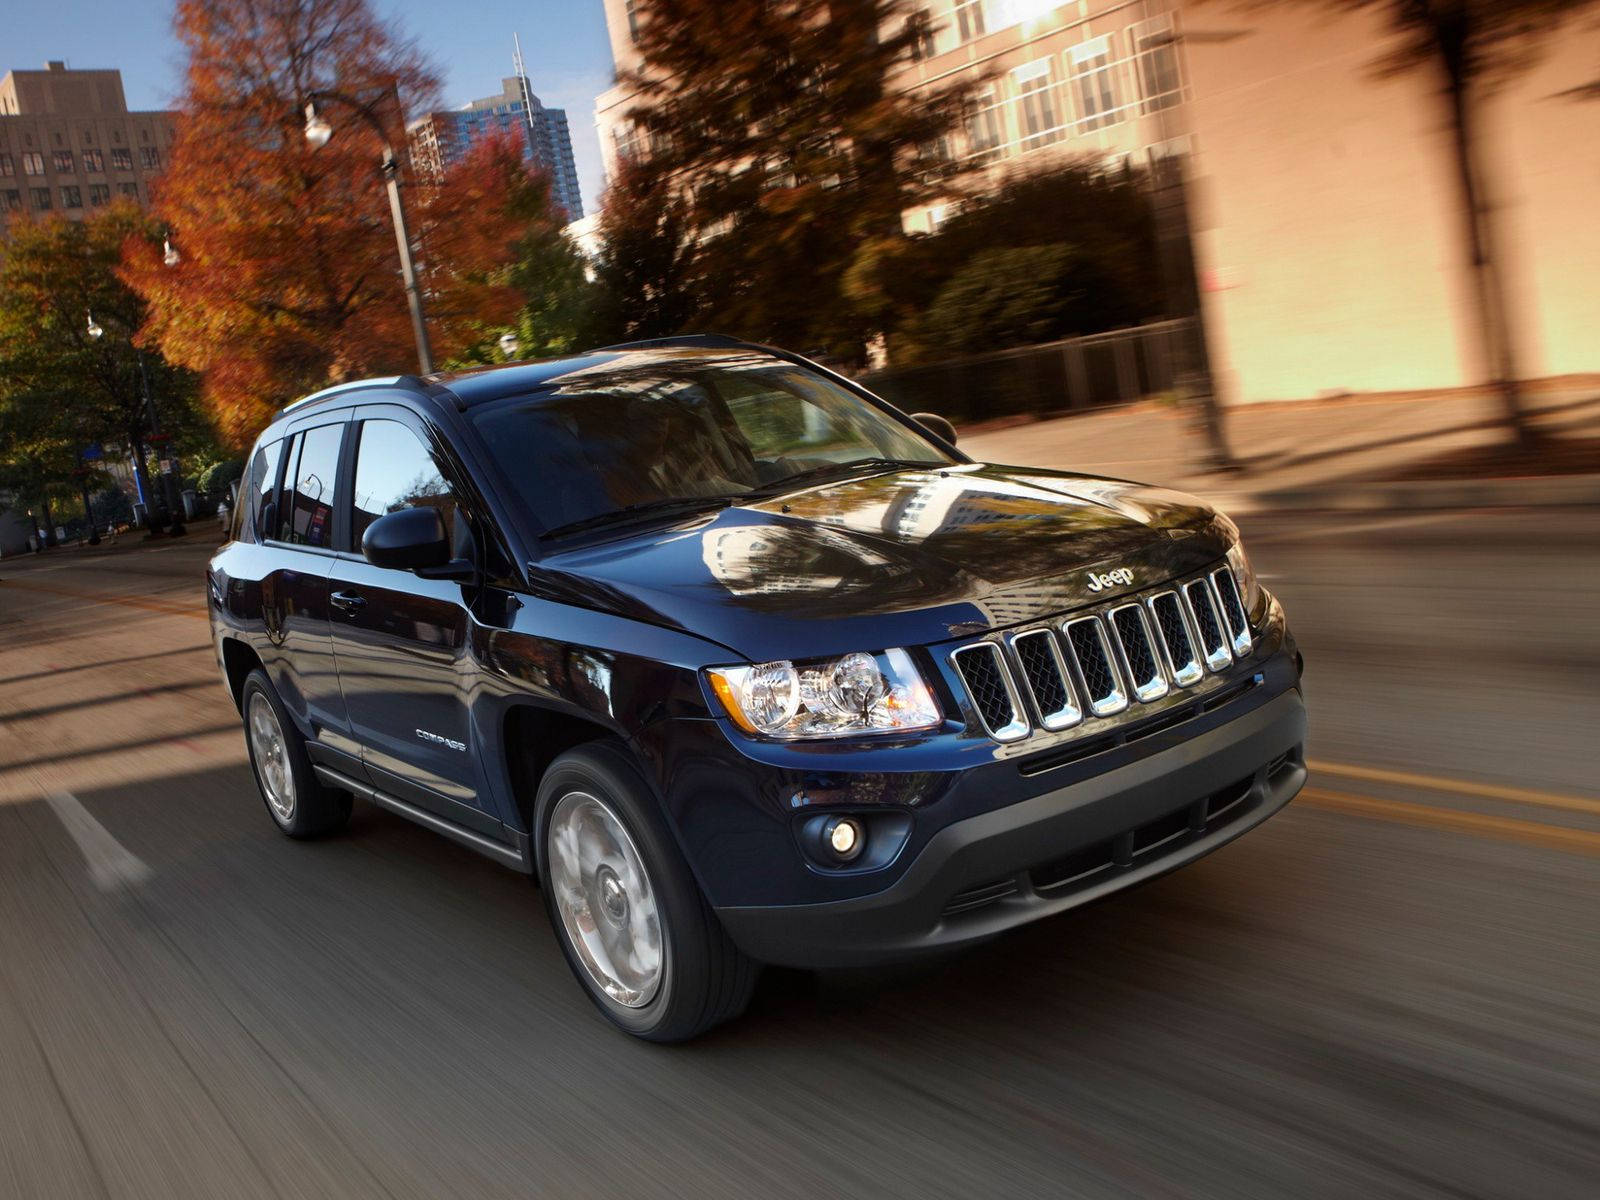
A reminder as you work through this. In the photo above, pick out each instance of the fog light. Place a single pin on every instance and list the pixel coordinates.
(845, 838)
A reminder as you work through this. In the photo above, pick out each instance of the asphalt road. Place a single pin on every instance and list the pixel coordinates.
(1391, 989)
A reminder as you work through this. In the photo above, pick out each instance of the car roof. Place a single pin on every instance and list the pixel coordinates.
(479, 385)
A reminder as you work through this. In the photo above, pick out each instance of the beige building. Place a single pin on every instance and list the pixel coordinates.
(68, 143)
(1327, 225)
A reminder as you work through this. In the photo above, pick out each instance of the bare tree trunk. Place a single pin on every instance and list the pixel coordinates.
(49, 521)
(1494, 324)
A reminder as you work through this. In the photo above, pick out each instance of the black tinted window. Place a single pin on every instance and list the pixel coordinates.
(256, 491)
(634, 437)
(393, 471)
(310, 520)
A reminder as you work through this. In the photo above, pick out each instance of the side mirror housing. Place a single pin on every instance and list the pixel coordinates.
(413, 539)
(936, 425)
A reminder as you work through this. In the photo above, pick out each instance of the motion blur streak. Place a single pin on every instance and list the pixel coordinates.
(1530, 832)
(1461, 787)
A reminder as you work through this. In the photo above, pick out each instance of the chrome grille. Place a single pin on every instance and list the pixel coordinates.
(1096, 665)
(1208, 623)
(993, 694)
(1177, 643)
(1143, 671)
(1048, 680)
(1102, 684)
(1232, 610)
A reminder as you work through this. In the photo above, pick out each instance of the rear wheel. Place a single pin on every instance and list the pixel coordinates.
(630, 918)
(299, 803)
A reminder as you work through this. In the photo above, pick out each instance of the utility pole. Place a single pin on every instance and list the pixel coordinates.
(1175, 245)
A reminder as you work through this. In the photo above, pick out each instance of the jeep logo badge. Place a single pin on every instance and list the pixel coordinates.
(1100, 582)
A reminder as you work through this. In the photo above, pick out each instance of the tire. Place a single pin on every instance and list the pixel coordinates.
(593, 798)
(298, 802)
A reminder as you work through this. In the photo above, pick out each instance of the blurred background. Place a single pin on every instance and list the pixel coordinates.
(1330, 264)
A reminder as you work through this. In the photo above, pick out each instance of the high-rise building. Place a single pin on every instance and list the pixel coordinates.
(68, 143)
(1323, 199)
(440, 139)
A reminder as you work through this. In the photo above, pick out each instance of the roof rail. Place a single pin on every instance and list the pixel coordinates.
(411, 383)
(711, 341)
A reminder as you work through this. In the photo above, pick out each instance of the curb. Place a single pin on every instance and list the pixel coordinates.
(1550, 491)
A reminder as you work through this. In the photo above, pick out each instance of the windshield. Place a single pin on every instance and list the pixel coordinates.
(637, 442)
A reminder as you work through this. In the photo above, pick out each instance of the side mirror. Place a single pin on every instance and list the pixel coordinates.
(936, 425)
(409, 540)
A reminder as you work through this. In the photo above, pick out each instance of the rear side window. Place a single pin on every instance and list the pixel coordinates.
(250, 508)
(310, 516)
(394, 470)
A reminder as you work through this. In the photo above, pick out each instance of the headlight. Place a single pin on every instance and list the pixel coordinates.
(1244, 575)
(836, 697)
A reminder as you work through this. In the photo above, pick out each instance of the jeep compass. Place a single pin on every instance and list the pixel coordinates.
(743, 664)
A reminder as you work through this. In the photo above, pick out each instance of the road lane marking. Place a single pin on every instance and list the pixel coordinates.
(1428, 816)
(157, 606)
(1460, 787)
(111, 865)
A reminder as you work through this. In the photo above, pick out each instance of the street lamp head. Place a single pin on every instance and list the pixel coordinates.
(94, 330)
(318, 131)
(169, 252)
(509, 344)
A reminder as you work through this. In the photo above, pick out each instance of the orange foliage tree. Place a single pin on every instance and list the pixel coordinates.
(288, 277)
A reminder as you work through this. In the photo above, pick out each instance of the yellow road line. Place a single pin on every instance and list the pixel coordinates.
(157, 606)
(1459, 787)
(1428, 816)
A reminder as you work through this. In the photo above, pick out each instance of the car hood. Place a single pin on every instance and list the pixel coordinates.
(907, 557)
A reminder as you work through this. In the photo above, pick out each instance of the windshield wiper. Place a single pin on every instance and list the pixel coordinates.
(812, 474)
(644, 510)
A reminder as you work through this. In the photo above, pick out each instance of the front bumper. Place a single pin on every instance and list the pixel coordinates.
(988, 873)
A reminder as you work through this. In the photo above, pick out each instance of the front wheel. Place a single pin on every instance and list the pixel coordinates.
(630, 918)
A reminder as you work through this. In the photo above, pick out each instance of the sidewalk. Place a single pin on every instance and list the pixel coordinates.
(1351, 453)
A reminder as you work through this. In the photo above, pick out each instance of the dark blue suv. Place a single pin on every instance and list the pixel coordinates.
(742, 663)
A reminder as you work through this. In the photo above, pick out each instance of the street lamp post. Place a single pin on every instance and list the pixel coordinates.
(318, 134)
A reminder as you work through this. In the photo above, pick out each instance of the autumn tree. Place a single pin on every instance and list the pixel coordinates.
(1468, 49)
(288, 278)
(647, 258)
(61, 388)
(782, 129)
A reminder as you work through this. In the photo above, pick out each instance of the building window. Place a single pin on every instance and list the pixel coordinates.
(1039, 118)
(1092, 83)
(983, 126)
(1155, 49)
(128, 189)
(122, 160)
(94, 162)
(33, 163)
(8, 165)
(632, 9)
(64, 162)
(40, 198)
(969, 20)
(11, 200)
(150, 158)
(71, 196)
(99, 195)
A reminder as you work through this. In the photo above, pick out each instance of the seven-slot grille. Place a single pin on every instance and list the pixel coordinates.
(1092, 665)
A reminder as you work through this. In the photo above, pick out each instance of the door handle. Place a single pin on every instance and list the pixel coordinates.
(348, 601)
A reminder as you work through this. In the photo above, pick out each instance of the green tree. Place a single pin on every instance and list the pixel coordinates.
(1110, 278)
(780, 126)
(1469, 48)
(61, 386)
